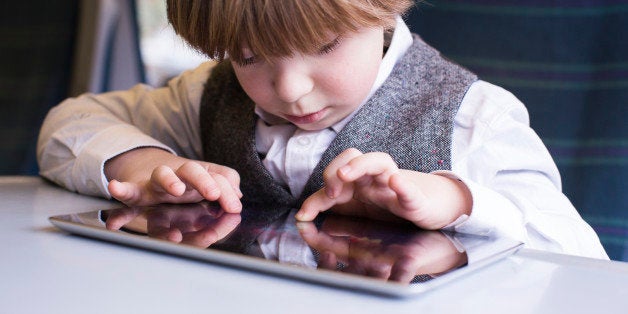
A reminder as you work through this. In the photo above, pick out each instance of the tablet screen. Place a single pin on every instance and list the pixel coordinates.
(351, 252)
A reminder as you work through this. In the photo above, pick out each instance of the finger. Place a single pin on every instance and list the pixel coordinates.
(164, 180)
(311, 236)
(378, 165)
(231, 175)
(364, 257)
(378, 269)
(333, 184)
(197, 177)
(168, 234)
(314, 204)
(183, 223)
(405, 269)
(307, 230)
(117, 218)
(160, 225)
(213, 233)
(159, 219)
(322, 241)
(356, 266)
(407, 192)
(125, 192)
(327, 260)
(410, 199)
(211, 186)
(228, 200)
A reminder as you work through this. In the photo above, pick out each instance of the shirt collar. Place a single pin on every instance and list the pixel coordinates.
(399, 44)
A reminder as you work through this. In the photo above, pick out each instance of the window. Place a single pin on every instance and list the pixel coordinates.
(164, 54)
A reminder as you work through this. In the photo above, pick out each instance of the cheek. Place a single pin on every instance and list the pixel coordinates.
(353, 80)
(254, 85)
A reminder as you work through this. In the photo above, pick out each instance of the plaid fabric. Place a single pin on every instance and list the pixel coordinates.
(568, 62)
(36, 44)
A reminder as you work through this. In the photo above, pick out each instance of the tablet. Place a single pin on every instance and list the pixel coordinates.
(393, 259)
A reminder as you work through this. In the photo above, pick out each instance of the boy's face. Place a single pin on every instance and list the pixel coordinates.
(315, 91)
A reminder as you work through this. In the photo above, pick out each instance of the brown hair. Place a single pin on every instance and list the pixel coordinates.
(275, 28)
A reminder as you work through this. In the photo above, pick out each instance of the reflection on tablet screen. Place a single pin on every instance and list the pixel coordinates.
(400, 253)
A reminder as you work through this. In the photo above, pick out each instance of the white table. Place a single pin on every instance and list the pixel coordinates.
(44, 270)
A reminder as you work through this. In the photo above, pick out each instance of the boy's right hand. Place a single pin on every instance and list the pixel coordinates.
(147, 176)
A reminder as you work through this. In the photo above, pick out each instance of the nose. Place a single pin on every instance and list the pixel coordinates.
(292, 80)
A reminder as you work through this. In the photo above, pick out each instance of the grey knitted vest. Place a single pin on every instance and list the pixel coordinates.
(409, 117)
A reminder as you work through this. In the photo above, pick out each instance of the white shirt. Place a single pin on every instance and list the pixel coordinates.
(513, 180)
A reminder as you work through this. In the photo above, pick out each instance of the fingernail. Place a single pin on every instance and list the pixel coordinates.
(237, 190)
(299, 216)
(345, 170)
(236, 206)
(331, 193)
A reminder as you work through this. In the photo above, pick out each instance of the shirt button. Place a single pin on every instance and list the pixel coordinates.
(304, 141)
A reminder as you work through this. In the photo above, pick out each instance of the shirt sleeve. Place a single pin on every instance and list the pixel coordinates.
(513, 180)
(79, 135)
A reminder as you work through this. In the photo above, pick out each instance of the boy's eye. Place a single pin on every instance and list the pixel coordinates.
(248, 61)
(331, 46)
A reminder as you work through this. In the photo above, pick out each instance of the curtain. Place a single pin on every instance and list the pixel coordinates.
(568, 62)
(36, 45)
(55, 49)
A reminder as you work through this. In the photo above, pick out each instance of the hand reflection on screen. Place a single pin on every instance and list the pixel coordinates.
(201, 224)
(365, 248)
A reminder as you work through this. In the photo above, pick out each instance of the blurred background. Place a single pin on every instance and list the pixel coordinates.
(566, 60)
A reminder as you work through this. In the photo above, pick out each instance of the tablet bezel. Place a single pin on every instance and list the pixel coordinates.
(502, 247)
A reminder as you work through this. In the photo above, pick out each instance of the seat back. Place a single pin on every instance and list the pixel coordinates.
(568, 62)
(55, 49)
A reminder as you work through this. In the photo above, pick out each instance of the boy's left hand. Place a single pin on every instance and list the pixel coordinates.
(372, 185)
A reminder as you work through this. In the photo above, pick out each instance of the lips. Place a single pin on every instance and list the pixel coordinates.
(308, 118)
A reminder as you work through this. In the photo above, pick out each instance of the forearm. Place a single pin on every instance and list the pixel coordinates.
(518, 195)
(77, 138)
(79, 135)
(514, 183)
(537, 214)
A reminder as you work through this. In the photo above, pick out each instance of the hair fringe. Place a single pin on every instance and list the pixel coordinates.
(274, 28)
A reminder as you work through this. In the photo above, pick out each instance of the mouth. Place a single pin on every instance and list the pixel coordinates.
(307, 118)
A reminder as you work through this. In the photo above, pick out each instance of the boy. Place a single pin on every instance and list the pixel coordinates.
(319, 105)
